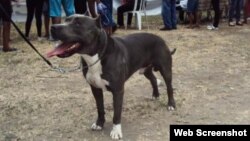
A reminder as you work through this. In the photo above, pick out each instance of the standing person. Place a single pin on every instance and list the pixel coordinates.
(105, 10)
(56, 11)
(234, 11)
(80, 6)
(46, 18)
(34, 7)
(193, 13)
(169, 15)
(127, 5)
(6, 6)
(217, 14)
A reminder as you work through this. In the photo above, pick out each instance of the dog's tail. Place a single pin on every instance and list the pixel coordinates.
(173, 51)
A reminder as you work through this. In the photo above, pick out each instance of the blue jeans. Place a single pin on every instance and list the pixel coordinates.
(235, 8)
(169, 13)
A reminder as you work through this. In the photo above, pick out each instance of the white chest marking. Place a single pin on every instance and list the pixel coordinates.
(93, 75)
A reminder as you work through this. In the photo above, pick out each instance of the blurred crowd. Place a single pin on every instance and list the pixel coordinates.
(173, 12)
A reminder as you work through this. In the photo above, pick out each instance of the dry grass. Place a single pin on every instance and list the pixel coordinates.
(211, 80)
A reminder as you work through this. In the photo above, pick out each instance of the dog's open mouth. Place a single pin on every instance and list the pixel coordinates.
(64, 49)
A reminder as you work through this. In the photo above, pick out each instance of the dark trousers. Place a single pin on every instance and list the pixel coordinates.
(121, 10)
(235, 8)
(181, 13)
(34, 7)
(169, 13)
(216, 7)
(80, 6)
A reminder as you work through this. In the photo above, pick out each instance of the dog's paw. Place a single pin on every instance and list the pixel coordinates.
(171, 108)
(96, 127)
(116, 132)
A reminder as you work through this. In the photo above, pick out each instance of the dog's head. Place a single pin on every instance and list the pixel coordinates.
(76, 35)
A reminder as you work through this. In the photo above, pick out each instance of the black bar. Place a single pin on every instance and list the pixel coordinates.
(212, 132)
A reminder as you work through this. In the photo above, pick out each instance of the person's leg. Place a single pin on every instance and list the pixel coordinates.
(232, 11)
(181, 13)
(38, 14)
(173, 14)
(46, 18)
(6, 36)
(238, 12)
(120, 12)
(245, 12)
(80, 6)
(68, 6)
(216, 7)
(55, 11)
(30, 14)
(166, 14)
(191, 12)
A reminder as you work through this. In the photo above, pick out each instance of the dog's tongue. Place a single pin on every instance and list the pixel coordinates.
(59, 49)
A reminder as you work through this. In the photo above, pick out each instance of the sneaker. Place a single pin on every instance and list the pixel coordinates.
(231, 23)
(211, 27)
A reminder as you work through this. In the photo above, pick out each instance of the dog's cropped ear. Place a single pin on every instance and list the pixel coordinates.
(98, 21)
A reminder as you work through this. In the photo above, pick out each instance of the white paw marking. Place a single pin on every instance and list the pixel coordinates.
(171, 108)
(159, 82)
(96, 127)
(116, 132)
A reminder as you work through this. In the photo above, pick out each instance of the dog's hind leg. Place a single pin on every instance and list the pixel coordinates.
(150, 76)
(166, 72)
(98, 94)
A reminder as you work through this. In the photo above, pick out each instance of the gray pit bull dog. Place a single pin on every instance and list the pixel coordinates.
(109, 61)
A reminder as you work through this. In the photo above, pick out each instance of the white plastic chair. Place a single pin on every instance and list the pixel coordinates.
(137, 13)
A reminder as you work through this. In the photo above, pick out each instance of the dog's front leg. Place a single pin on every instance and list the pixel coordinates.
(116, 132)
(98, 94)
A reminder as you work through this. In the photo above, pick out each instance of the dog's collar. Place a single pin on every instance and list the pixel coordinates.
(102, 54)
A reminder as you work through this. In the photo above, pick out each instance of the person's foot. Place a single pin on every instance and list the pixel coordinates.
(165, 28)
(211, 27)
(9, 49)
(231, 23)
(196, 26)
(190, 26)
(174, 28)
(239, 23)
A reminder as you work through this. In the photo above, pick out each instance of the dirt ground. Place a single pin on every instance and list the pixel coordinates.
(211, 77)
